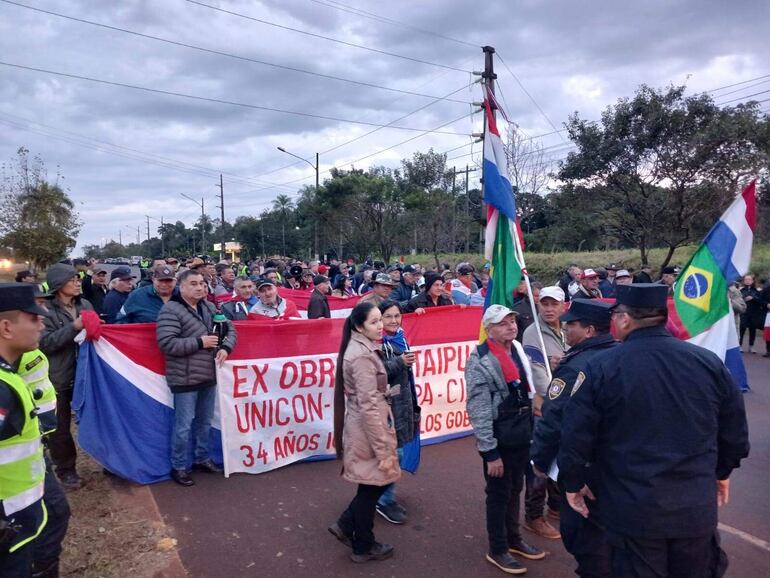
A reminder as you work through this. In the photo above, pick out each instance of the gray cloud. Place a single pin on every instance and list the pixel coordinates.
(569, 55)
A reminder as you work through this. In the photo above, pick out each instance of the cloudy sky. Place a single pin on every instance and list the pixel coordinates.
(127, 152)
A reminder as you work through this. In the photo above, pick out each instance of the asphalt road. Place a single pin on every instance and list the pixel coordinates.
(274, 524)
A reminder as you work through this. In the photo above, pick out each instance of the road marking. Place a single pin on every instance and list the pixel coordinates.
(758, 542)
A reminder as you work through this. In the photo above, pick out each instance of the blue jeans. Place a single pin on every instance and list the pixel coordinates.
(388, 497)
(192, 408)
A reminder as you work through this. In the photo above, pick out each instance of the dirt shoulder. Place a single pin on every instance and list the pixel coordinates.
(116, 530)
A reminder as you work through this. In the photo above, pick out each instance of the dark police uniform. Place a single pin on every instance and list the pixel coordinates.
(661, 420)
(583, 538)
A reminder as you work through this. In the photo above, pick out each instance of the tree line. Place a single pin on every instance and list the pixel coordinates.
(656, 170)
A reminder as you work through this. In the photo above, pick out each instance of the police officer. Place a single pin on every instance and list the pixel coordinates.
(663, 424)
(33, 369)
(587, 332)
(22, 469)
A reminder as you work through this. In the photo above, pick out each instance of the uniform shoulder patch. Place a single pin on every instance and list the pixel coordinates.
(578, 382)
(37, 361)
(554, 390)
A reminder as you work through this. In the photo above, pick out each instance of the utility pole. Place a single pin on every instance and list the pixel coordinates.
(466, 172)
(138, 240)
(162, 239)
(488, 80)
(148, 228)
(454, 212)
(120, 237)
(222, 217)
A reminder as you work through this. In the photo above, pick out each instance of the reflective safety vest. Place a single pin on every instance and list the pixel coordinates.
(44, 287)
(22, 468)
(33, 369)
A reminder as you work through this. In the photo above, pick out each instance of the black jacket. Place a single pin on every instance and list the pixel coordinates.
(406, 412)
(661, 420)
(58, 342)
(547, 436)
(318, 306)
(95, 293)
(234, 310)
(525, 318)
(189, 367)
(756, 310)
(422, 300)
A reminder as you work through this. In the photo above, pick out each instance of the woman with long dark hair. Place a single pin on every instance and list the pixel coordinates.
(364, 433)
(406, 412)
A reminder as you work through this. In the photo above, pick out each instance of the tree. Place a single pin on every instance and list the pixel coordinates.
(283, 205)
(428, 195)
(663, 166)
(38, 219)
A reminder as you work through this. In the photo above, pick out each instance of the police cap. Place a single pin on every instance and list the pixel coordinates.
(590, 311)
(19, 297)
(642, 295)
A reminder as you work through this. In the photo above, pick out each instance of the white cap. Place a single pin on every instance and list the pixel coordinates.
(495, 314)
(622, 273)
(552, 292)
(588, 273)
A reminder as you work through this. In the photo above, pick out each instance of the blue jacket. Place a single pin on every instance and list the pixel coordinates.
(142, 306)
(112, 305)
(660, 420)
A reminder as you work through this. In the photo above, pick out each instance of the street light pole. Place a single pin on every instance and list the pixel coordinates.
(203, 220)
(316, 168)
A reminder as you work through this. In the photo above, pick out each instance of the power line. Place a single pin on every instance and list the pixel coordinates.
(531, 98)
(227, 54)
(743, 97)
(140, 155)
(352, 162)
(744, 88)
(321, 36)
(217, 100)
(371, 15)
(346, 143)
(737, 83)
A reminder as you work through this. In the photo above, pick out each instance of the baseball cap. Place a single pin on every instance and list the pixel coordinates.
(589, 274)
(464, 269)
(122, 273)
(408, 269)
(670, 270)
(622, 273)
(19, 297)
(162, 272)
(552, 292)
(264, 281)
(495, 314)
(318, 279)
(383, 279)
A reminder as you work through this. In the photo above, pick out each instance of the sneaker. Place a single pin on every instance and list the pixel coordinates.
(553, 514)
(402, 508)
(751, 350)
(378, 552)
(69, 479)
(392, 513)
(542, 528)
(182, 477)
(528, 551)
(207, 466)
(506, 563)
(337, 532)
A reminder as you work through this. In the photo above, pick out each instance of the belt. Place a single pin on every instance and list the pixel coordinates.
(524, 409)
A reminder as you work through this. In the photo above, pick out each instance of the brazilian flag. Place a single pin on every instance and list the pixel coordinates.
(700, 292)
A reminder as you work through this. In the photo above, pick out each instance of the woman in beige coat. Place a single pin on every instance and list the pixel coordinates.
(363, 430)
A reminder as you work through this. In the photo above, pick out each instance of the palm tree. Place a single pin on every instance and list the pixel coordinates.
(282, 204)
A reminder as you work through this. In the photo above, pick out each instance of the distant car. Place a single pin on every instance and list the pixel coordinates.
(135, 260)
(122, 261)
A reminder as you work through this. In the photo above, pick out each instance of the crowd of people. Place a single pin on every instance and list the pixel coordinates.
(516, 382)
